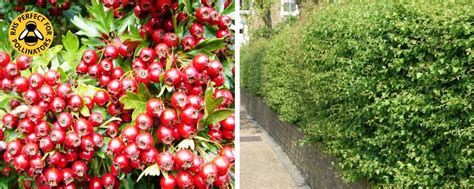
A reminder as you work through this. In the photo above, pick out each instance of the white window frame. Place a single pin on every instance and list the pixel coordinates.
(284, 13)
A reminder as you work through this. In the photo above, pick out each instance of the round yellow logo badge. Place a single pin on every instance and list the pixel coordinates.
(31, 33)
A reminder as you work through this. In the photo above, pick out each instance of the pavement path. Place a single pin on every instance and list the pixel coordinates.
(263, 164)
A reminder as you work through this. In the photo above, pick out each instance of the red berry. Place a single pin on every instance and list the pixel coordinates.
(115, 146)
(9, 121)
(46, 93)
(121, 162)
(101, 97)
(82, 127)
(171, 40)
(53, 177)
(189, 115)
(14, 147)
(168, 182)
(111, 52)
(132, 151)
(224, 22)
(165, 134)
(222, 164)
(117, 73)
(57, 105)
(65, 120)
(87, 143)
(187, 43)
(46, 144)
(26, 126)
(6, 85)
(12, 70)
(42, 129)
(197, 163)
(203, 14)
(57, 136)
(52, 77)
(223, 33)
(162, 50)
(184, 159)
(35, 114)
(149, 156)
(88, 102)
(82, 67)
(96, 118)
(112, 129)
(228, 123)
(190, 74)
(185, 131)
(184, 179)
(72, 140)
(105, 65)
(63, 90)
(144, 141)
(215, 68)
(94, 70)
(158, 35)
(36, 80)
(75, 102)
(129, 84)
(90, 57)
(196, 30)
(147, 55)
(172, 77)
(95, 183)
(4, 59)
(21, 163)
(228, 152)
(23, 62)
(67, 175)
(179, 100)
(109, 180)
(228, 135)
(208, 172)
(169, 117)
(165, 161)
(79, 168)
(129, 133)
(200, 62)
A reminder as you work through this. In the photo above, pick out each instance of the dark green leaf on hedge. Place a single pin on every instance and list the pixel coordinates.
(85, 26)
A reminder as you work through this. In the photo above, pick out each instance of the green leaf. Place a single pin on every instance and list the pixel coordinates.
(86, 90)
(211, 104)
(152, 170)
(70, 42)
(86, 27)
(135, 102)
(186, 143)
(126, 22)
(4, 42)
(94, 42)
(230, 9)
(208, 46)
(218, 115)
(84, 111)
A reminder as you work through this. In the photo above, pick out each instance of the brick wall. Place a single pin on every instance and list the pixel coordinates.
(315, 166)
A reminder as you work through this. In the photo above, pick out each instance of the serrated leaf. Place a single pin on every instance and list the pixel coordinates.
(208, 46)
(86, 90)
(94, 42)
(218, 115)
(85, 26)
(84, 111)
(152, 170)
(126, 22)
(135, 102)
(70, 42)
(186, 143)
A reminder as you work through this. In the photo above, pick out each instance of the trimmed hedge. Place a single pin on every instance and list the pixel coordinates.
(388, 88)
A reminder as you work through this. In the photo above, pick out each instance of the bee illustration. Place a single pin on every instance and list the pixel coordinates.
(31, 35)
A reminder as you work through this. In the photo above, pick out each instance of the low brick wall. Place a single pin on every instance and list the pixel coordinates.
(315, 166)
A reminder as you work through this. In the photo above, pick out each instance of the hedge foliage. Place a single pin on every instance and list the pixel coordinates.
(388, 88)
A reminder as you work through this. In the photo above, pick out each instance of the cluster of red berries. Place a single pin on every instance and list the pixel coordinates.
(56, 8)
(160, 25)
(60, 132)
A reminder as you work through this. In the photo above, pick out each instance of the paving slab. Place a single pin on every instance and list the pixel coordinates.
(263, 164)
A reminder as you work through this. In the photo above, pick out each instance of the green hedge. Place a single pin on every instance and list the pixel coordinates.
(388, 88)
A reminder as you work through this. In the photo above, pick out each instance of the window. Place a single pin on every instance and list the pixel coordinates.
(288, 7)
